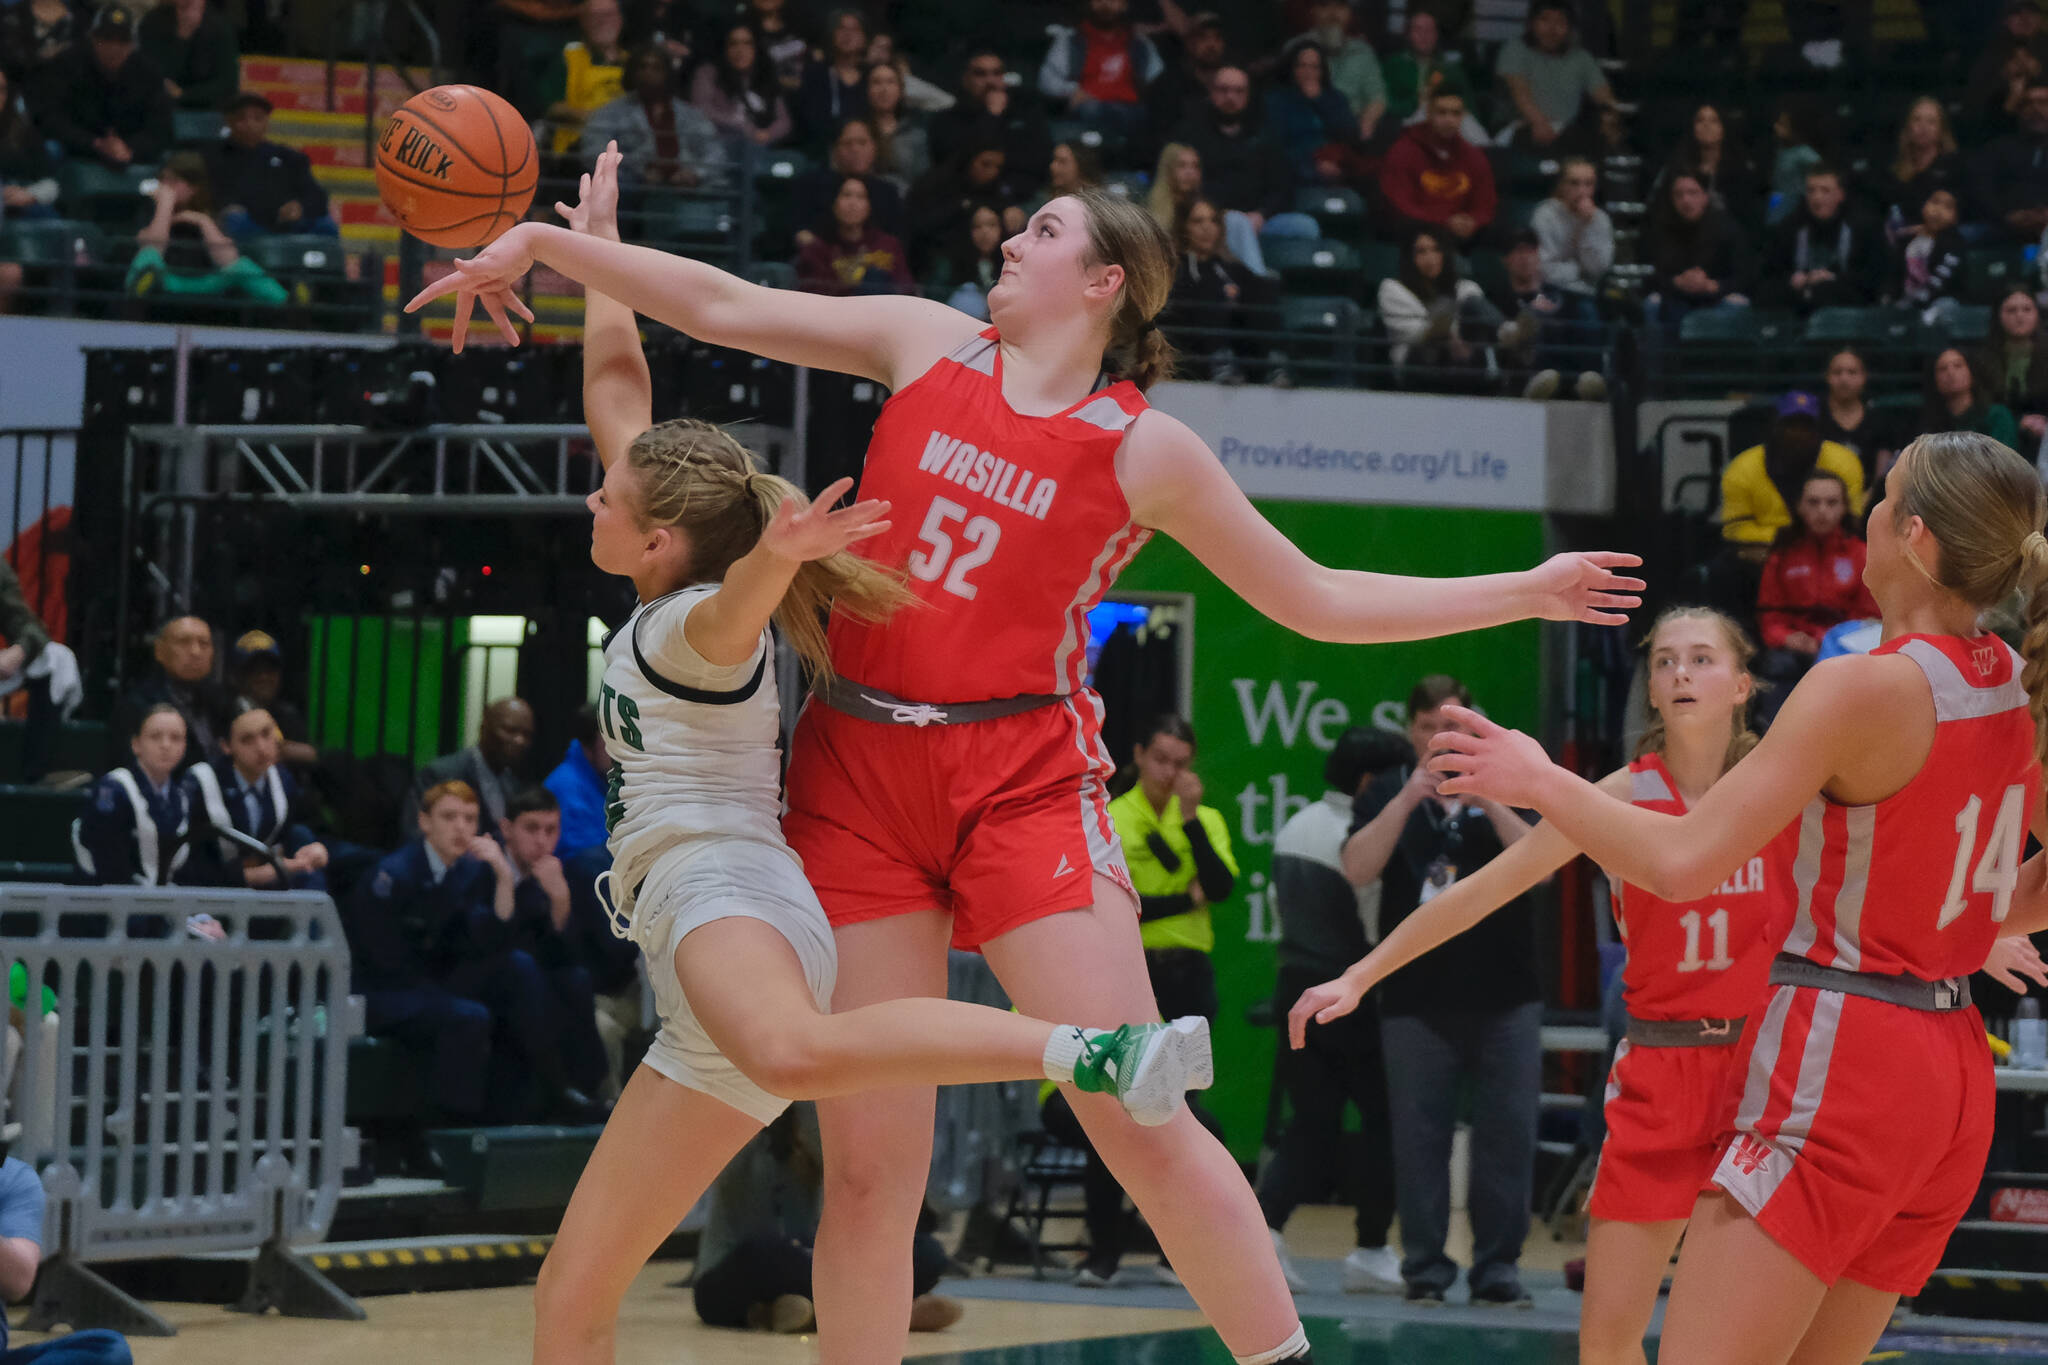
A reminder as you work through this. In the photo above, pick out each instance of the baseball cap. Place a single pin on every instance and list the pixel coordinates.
(114, 21)
(1799, 403)
(249, 99)
(257, 645)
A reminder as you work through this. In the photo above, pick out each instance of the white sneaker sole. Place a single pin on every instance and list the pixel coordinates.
(1177, 1060)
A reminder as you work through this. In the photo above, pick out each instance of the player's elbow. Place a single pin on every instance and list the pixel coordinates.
(1682, 876)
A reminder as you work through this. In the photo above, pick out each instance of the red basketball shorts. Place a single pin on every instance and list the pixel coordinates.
(998, 822)
(1860, 1133)
(1668, 1110)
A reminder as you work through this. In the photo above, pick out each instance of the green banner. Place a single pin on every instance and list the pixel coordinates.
(1268, 704)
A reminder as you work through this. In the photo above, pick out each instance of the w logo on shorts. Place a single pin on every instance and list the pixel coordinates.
(1749, 1154)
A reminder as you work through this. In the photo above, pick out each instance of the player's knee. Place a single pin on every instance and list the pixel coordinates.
(1606, 1339)
(787, 1064)
(568, 1291)
(872, 1174)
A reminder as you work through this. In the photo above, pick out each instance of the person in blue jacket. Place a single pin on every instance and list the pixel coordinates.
(243, 787)
(429, 933)
(578, 784)
(137, 826)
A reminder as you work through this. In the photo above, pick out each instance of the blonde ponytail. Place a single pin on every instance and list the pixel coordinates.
(697, 478)
(1984, 506)
(2034, 646)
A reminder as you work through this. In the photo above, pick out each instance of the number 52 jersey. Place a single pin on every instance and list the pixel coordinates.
(1011, 527)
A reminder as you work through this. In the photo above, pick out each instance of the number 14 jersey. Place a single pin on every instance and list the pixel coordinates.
(1709, 958)
(1919, 882)
(1012, 527)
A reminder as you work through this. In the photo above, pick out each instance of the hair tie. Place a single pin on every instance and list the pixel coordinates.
(2033, 544)
(1147, 327)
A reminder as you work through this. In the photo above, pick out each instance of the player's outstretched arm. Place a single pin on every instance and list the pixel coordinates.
(1450, 913)
(1177, 485)
(726, 628)
(618, 392)
(890, 339)
(1817, 741)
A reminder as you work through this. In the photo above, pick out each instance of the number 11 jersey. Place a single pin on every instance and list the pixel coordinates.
(1709, 958)
(1012, 527)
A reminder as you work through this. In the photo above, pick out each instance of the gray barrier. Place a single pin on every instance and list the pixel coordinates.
(180, 1094)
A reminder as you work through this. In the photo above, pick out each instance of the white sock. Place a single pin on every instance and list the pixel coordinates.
(1294, 1348)
(1063, 1050)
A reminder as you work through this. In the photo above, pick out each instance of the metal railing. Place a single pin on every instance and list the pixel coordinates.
(180, 1094)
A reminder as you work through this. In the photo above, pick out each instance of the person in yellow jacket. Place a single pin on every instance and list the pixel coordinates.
(586, 75)
(1181, 864)
(1754, 506)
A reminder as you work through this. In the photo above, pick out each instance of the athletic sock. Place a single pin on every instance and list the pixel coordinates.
(1063, 1051)
(1294, 1349)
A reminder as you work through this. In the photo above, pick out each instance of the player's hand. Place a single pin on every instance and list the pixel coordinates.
(596, 210)
(1484, 759)
(487, 277)
(2013, 958)
(802, 531)
(1585, 587)
(1331, 1000)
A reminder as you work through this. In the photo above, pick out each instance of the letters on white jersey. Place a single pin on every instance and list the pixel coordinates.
(992, 476)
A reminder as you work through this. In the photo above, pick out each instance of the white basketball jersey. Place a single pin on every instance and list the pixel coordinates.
(686, 763)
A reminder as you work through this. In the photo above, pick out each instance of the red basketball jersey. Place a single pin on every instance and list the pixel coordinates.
(1919, 882)
(1708, 958)
(1012, 527)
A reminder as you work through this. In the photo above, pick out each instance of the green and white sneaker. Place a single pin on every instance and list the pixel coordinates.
(1148, 1067)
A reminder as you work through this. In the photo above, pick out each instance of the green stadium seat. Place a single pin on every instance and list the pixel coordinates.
(1523, 173)
(1332, 314)
(1314, 265)
(1339, 210)
(783, 164)
(1489, 270)
(1778, 330)
(195, 126)
(52, 241)
(773, 274)
(1971, 322)
(1864, 326)
(1516, 211)
(1719, 326)
(1989, 271)
(1377, 261)
(298, 255)
(35, 823)
(1108, 144)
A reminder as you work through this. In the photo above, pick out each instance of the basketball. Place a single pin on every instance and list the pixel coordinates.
(457, 166)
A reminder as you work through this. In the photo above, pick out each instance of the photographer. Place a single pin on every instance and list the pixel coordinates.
(1467, 1016)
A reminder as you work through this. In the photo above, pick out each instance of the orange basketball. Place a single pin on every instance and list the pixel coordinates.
(457, 166)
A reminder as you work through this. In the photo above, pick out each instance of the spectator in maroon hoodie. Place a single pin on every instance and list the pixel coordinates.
(849, 254)
(1433, 178)
(1813, 581)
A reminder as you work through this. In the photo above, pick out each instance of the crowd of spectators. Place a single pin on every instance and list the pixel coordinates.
(477, 937)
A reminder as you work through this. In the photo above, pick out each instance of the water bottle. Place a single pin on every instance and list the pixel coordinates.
(2030, 1037)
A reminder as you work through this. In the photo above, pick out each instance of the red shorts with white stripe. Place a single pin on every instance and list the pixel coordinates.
(999, 822)
(1668, 1110)
(1861, 1133)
